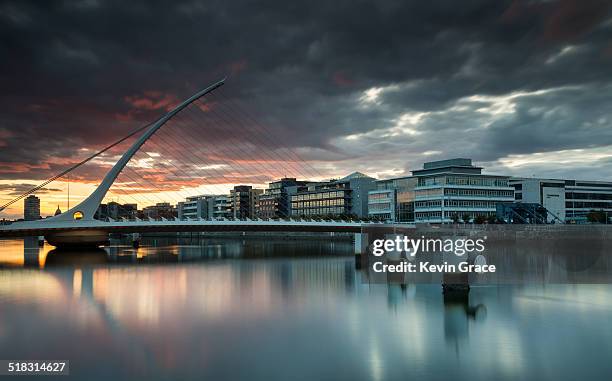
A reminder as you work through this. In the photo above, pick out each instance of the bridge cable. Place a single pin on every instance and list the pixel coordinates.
(70, 169)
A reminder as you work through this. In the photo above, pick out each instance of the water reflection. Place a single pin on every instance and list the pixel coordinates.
(76, 258)
(213, 315)
(29, 253)
(458, 312)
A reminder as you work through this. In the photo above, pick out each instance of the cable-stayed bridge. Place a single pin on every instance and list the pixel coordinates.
(79, 226)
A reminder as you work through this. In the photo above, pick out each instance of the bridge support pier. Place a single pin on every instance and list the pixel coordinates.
(361, 243)
(76, 239)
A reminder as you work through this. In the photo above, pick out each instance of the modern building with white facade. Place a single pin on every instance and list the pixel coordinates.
(456, 189)
(569, 200)
(204, 206)
(547, 192)
(222, 206)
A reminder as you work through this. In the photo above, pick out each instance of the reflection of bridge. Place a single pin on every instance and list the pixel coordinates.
(78, 227)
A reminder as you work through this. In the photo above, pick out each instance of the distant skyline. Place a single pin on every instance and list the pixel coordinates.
(522, 87)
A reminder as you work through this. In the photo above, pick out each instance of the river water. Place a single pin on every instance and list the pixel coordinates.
(285, 310)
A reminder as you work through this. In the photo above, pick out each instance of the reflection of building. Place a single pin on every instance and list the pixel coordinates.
(455, 188)
(275, 203)
(457, 314)
(159, 210)
(31, 208)
(116, 211)
(393, 200)
(568, 200)
(347, 196)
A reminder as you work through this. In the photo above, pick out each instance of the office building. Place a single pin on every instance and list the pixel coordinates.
(222, 207)
(31, 208)
(345, 197)
(392, 200)
(193, 207)
(205, 207)
(159, 211)
(116, 211)
(454, 189)
(244, 201)
(275, 201)
(546, 192)
(567, 201)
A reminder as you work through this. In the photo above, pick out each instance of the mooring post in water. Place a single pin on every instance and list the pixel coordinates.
(136, 240)
(454, 281)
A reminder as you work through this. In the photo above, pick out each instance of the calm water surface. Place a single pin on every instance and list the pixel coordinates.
(285, 310)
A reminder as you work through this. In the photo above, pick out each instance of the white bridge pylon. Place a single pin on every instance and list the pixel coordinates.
(86, 210)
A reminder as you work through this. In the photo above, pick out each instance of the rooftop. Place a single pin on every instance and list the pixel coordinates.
(457, 165)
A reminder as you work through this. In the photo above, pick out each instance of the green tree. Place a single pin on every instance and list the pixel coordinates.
(455, 218)
(465, 218)
(480, 219)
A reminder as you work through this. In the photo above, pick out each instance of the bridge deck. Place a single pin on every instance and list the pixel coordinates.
(36, 228)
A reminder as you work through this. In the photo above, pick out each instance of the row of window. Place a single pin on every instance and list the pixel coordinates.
(427, 215)
(588, 196)
(378, 207)
(428, 192)
(478, 192)
(436, 215)
(318, 211)
(456, 203)
(383, 216)
(379, 196)
(592, 205)
(317, 196)
(463, 180)
(314, 204)
(470, 203)
(428, 204)
(465, 192)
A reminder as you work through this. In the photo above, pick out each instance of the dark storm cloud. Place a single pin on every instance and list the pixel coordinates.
(80, 74)
(18, 189)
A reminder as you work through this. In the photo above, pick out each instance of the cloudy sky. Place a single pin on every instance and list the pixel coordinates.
(522, 87)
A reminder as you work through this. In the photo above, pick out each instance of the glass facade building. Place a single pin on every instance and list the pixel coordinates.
(392, 200)
(344, 197)
(275, 201)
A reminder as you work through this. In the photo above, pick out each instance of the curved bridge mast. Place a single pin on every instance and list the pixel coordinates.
(86, 210)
